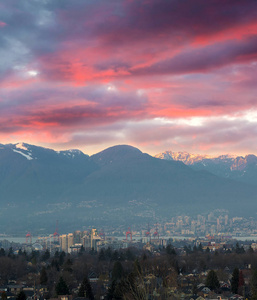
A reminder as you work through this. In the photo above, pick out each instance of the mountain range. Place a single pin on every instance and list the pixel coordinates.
(241, 168)
(120, 185)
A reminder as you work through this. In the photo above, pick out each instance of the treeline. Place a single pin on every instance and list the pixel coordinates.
(130, 273)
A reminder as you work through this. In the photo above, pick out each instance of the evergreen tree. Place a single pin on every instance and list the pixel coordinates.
(101, 255)
(200, 247)
(43, 276)
(129, 254)
(242, 250)
(81, 292)
(92, 251)
(34, 260)
(4, 296)
(85, 289)
(250, 250)
(21, 296)
(118, 292)
(111, 290)
(212, 280)
(82, 250)
(144, 257)
(187, 249)
(61, 258)
(34, 257)
(25, 255)
(254, 285)
(137, 268)
(194, 289)
(176, 266)
(108, 253)
(68, 265)
(121, 256)
(117, 271)
(61, 287)
(170, 250)
(46, 255)
(241, 283)
(239, 250)
(88, 289)
(115, 255)
(10, 253)
(55, 264)
(235, 281)
(56, 254)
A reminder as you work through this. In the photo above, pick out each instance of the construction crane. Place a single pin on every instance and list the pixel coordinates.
(56, 234)
(102, 234)
(129, 233)
(148, 233)
(28, 238)
(156, 233)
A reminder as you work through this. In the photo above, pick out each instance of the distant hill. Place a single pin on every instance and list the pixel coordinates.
(31, 173)
(120, 185)
(239, 168)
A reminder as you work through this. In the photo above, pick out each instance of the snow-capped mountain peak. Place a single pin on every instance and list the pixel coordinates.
(22, 149)
(21, 146)
(71, 153)
(229, 166)
(185, 157)
(28, 156)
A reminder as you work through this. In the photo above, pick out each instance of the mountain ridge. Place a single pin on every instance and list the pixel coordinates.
(189, 158)
(120, 184)
(242, 168)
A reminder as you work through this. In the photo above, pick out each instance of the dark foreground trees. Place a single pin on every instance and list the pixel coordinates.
(235, 281)
(43, 276)
(61, 287)
(131, 273)
(21, 296)
(212, 280)
(85, 289)
(254, 285)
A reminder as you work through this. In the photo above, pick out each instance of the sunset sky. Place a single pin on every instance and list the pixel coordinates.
(160, 75)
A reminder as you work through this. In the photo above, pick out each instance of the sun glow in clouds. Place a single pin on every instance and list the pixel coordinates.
(111, 88)
(32, 73)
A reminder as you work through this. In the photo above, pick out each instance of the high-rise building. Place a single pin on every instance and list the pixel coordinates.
(66, 241)
(63, 242)
(70, 241)
(77, 236)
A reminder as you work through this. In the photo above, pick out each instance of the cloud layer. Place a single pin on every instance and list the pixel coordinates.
(158, 75)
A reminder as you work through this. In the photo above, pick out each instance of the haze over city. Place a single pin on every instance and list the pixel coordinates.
(157, 75)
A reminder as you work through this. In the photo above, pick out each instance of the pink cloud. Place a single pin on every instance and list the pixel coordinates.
(136, 37)
(104, 67)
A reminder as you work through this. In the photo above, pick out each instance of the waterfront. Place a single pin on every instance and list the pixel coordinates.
(22, 240)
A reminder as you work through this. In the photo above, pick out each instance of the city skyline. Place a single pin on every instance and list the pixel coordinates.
(166, 75)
